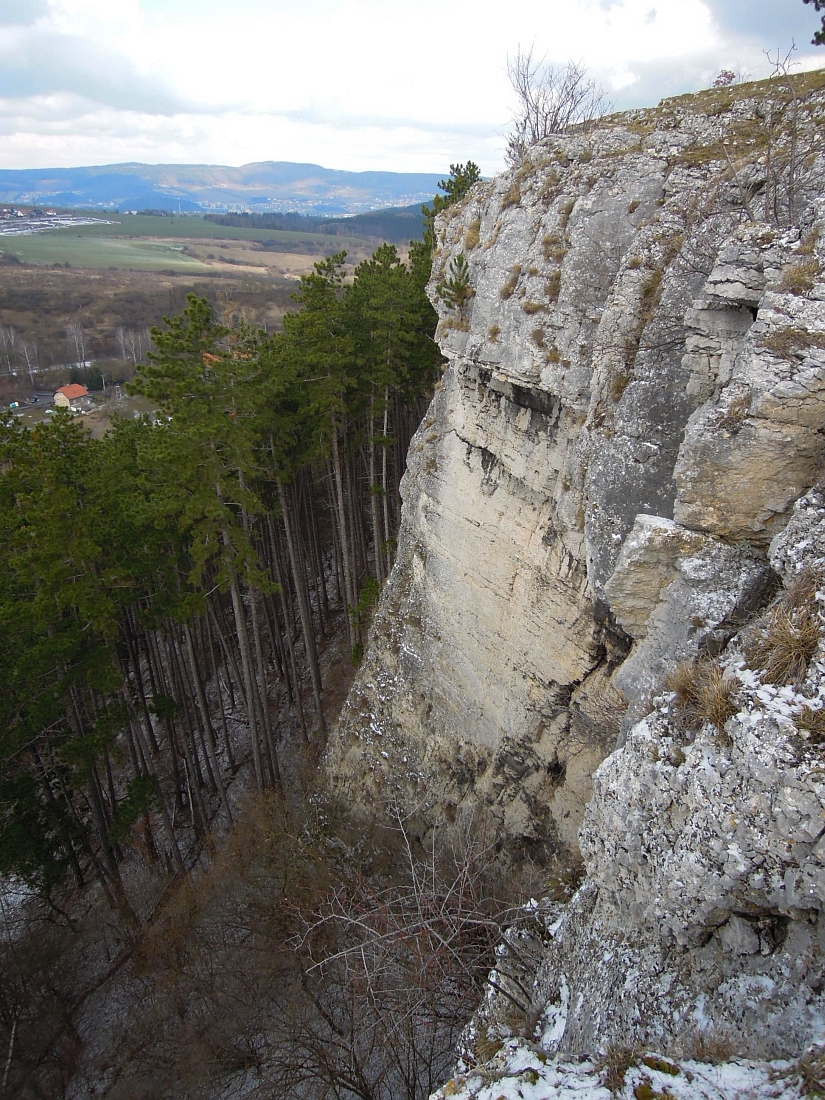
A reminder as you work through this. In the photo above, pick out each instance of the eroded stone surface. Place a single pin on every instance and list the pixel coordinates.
(680, 594)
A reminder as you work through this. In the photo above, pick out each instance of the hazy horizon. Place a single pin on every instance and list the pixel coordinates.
(356, 85)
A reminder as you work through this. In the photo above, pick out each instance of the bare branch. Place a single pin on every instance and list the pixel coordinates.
(550, 99)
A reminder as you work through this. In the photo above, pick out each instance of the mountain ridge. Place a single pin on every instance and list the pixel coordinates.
(258, 186)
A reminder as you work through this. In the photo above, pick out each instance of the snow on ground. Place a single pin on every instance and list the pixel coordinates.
(521, 1071)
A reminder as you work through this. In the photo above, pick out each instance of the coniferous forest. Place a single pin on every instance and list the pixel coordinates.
(180, 600)
(189, 566)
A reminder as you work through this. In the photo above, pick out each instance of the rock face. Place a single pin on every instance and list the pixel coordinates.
(705, 854)
(632, 403)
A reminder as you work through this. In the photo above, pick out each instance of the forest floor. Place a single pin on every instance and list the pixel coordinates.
(92, 988)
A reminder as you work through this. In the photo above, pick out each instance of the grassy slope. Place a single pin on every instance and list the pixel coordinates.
(145, 243)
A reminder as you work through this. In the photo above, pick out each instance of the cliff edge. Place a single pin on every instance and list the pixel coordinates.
(633, 402)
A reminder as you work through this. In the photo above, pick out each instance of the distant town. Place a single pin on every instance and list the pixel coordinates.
(14, 222)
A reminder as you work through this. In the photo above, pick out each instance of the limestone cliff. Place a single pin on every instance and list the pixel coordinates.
(633, 402)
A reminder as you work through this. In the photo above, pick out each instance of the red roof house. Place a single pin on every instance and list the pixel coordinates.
(70, 395)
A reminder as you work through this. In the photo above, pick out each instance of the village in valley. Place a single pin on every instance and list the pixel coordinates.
(15, 222)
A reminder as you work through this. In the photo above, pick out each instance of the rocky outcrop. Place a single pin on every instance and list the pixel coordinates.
(698, 933)
(632, 402)
(705, 856)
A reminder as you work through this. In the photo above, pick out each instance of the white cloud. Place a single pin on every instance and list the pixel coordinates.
(346, 83)
(22, 12)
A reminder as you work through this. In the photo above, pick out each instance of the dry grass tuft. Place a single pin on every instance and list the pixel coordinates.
(811, 1071)
(538, 336)
(814, 722)
(651, 293)
(486, 1048)
(618, 384)
(512, 196)
(808, 244)
(782, 645)
(801, 592)
(800, 278)
(553, 355)
(614, 1064)
(789, 341)
(493, 333)
(713, 1046)
(553, 247)
(553, 286)
(533, 307)
(472, 236)
(703, 692)
(511, 284)
(565, 210)
(736, 413)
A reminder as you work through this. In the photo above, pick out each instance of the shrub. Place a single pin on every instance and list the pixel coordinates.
(456, 291)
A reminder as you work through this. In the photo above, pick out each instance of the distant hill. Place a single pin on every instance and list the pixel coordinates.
(397, 224)
(268, 186)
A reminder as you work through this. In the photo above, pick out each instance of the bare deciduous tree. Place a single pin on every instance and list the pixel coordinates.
(29, 352)
(550, 99)
(120, 336)
(9, 345)
(77, 342)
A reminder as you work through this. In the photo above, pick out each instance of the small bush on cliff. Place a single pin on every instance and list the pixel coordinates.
(455, 291)
(550, 99)
(455, 187)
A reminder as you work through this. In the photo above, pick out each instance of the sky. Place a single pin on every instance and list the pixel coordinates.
(352, 84)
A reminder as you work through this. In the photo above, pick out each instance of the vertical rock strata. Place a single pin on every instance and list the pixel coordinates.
(634, 399)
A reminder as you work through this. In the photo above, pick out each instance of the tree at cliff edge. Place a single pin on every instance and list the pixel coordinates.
(819, 36)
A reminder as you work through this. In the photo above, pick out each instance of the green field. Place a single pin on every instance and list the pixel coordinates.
(144, 243)
(65, 247)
